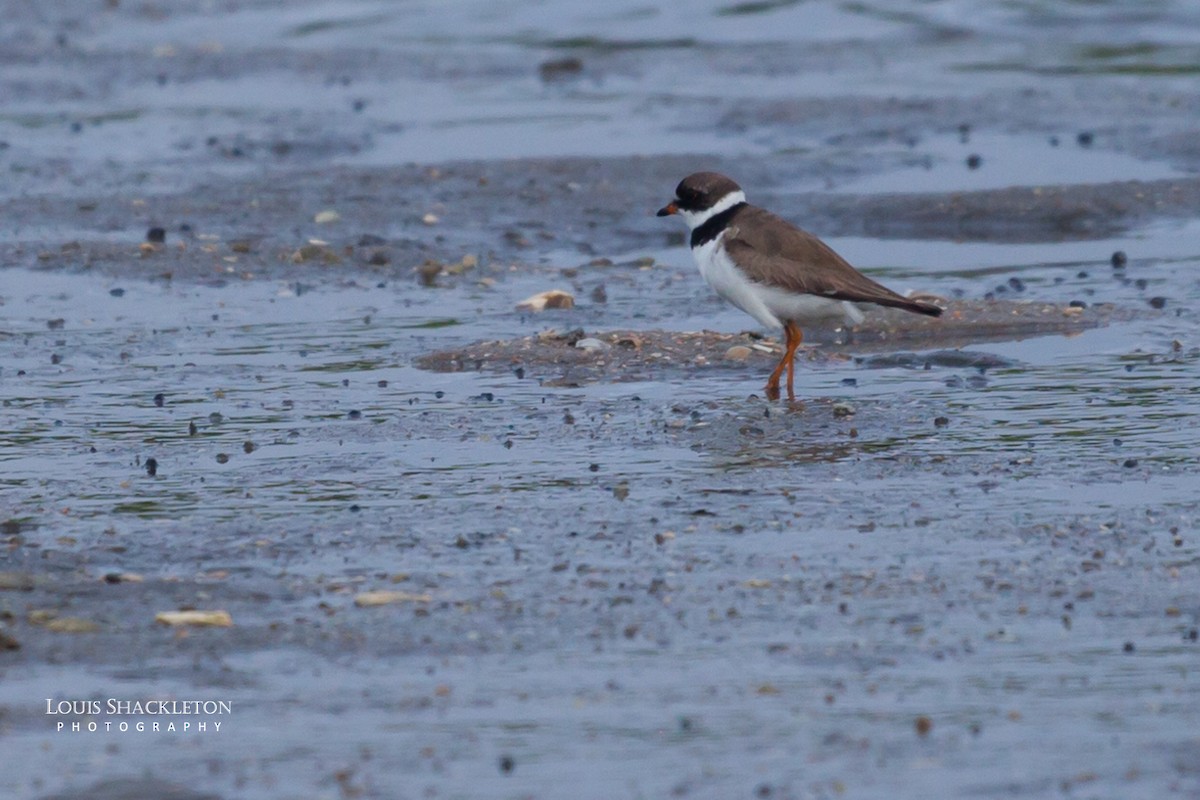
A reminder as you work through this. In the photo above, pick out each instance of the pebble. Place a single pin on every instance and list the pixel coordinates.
(156, 235)
(941, 422)
(385, 597)
(428, 271)
(222, 458)
(467, 262)
(842, 410)
(159, 399)
(554, 298)
(1158, 302)
(17, 581)
(507, 764)
(1085, 138)
(739, 352)
(71, 625)
(430, 219)
(592, 344)
(974, 160)
(630, 342)
(151, 467)
(326, 217)
(1119, 259)
(560, 68)
(218, 619)
(923, 725)
(314, 251)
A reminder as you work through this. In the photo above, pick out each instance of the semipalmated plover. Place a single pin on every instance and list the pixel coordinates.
(775, 272)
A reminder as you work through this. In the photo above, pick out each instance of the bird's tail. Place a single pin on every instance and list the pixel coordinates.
(915, 306)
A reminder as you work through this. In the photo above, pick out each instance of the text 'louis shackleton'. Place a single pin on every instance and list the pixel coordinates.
(91, 709)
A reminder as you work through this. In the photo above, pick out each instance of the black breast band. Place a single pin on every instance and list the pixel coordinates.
(713, 227)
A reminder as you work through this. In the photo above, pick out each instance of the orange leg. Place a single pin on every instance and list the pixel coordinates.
(792, 332)
(795, 337)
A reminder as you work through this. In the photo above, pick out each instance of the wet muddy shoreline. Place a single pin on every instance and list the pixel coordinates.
(274, 430)
(572, 208)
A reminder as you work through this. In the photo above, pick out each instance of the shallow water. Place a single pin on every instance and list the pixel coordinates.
(725, 596)
(1031, 465)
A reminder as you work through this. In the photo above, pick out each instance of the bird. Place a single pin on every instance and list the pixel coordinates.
(777, 273)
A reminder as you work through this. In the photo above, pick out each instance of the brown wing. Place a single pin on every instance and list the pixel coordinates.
(772, 251)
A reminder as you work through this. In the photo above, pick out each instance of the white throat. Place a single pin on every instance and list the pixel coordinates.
(695, 219)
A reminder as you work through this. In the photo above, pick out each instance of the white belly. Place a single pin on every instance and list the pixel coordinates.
(769, 305)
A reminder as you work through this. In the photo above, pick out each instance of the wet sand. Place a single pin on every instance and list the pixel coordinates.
(463, 557)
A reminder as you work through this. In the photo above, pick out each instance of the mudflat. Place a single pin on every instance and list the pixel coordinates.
(275, 436)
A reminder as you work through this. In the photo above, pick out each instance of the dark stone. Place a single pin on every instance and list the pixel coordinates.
(560, 68)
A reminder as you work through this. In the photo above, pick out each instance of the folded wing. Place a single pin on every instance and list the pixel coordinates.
(775, 253)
